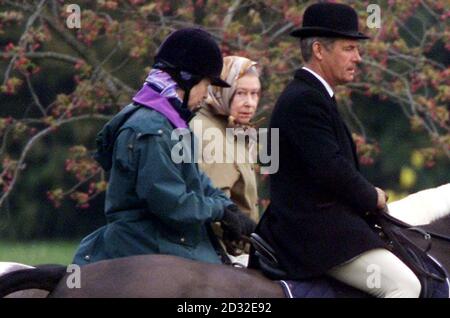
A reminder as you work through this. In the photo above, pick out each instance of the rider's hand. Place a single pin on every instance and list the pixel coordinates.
(235, 223)
(382, 199)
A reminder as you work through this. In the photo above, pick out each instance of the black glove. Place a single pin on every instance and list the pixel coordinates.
(235, 223)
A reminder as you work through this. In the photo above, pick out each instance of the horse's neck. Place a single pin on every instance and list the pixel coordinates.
(7, 267)
(423, 207)
(440, 248)
(441, 226)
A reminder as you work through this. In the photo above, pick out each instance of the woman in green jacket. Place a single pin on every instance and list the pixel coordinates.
(231, 165)
(154, 203)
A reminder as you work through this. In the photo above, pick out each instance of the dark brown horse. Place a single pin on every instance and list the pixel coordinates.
(170, 276)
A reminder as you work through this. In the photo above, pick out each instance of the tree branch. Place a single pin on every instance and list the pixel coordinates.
(112, 82)
(22, 42)
(34, 95)
(281, 31)
(48, 55)
(429, 10)
(79, 184)
(33, 141)
(230, 14)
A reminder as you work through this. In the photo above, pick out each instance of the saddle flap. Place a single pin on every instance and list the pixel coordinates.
(263, 248)
(266, 258)
(432, 276)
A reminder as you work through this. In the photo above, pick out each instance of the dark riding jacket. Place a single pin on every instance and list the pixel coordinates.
(153, 205)
(316, 218)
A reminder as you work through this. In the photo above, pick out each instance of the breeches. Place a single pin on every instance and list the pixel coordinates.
(379, 273)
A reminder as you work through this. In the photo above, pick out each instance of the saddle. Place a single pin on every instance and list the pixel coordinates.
(266, 259)
(263, 257)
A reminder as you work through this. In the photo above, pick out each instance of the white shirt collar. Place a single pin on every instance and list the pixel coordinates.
(324, 82)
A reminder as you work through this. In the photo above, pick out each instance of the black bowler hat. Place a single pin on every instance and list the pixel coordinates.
(191, 52)
(329, 20)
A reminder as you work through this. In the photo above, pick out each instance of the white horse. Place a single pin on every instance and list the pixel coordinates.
(422, 207)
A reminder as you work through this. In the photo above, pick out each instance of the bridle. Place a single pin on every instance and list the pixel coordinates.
(427, 234)
(413, 255)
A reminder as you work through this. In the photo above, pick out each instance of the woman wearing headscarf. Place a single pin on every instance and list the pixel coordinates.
(155, 205)
(229, 110)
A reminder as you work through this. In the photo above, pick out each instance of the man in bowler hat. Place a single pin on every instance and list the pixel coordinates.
(317, 220)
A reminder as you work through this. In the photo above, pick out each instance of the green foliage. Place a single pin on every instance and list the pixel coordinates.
(38, 252)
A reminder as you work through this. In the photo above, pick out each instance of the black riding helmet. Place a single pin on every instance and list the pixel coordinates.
(190, 55)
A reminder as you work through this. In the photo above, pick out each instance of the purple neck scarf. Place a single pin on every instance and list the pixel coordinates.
(150, 98)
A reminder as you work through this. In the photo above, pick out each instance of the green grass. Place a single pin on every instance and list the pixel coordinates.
(38, 252)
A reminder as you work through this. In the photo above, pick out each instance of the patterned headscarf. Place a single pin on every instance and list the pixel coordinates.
(234, 67)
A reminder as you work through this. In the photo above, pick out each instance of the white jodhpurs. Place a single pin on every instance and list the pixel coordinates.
(379, 273)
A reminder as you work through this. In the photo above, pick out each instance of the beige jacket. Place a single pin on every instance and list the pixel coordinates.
(237, 180)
